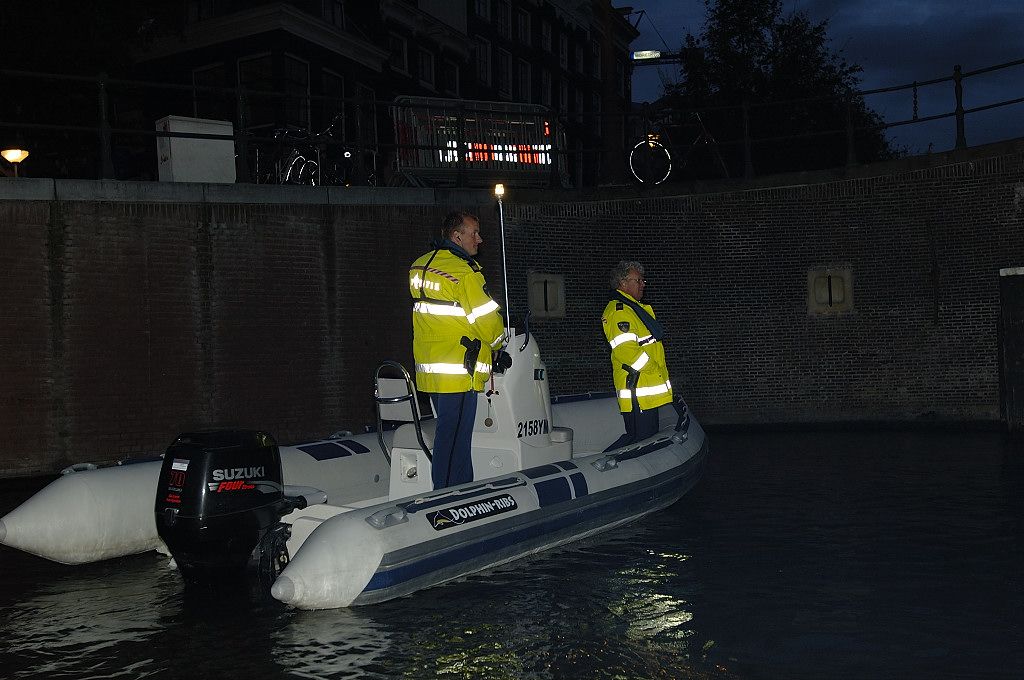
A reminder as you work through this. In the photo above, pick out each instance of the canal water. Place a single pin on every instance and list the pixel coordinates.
(826, 554)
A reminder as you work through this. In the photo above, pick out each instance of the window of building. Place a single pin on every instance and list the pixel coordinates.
(545, 295)
(425, 69)
(399, 53)
(483, 61)
(198, 10)
(523, 27)
(545, 36)
(207, 103)
(450, 76)
(296, 84)
(829, 291)
(333, 107)
(620, 77)
(545, 87)
(504, 18)
(595, 56)
(482, 8)
(256, 73)
(579, 105)
(596, 106)
(504, 73)
(563, 97)
(563, 50)
(334, 12)
(523, 81)
(579, 58)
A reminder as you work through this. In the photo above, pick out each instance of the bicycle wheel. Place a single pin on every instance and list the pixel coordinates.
(650, 162)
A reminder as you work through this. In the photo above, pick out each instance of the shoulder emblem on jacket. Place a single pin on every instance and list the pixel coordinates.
(618, 307)
(623, 326)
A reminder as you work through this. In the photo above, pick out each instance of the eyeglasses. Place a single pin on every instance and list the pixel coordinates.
(632, 278)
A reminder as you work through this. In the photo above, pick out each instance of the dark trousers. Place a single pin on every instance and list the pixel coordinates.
(639, 425)
(452, 462)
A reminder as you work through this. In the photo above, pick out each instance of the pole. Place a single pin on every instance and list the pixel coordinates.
(504, 270)
(958, 91)
(106, 160)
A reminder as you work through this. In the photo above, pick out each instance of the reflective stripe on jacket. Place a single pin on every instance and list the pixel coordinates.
(633, 345)
(450, 302)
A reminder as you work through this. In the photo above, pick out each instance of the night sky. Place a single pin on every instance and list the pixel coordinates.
(896, 42)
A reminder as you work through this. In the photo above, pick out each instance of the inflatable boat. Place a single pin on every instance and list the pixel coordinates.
(353, 520)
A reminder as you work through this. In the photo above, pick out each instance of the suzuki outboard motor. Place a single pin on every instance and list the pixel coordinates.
(219, 506)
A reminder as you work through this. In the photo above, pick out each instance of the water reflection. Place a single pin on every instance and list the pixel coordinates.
(332, 644)
(799, 555)
(76, 620)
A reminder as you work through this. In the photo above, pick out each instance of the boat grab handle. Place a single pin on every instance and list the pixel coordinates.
(611, 461)
(397, 514)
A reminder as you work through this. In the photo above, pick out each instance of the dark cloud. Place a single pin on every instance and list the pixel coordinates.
(897, 42)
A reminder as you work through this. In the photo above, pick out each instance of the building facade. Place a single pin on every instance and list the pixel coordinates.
(309, 66)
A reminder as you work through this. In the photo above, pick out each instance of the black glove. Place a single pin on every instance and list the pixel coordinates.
(502, 361)
(632, 376)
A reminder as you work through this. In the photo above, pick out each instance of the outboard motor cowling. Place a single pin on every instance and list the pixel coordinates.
(219, 506)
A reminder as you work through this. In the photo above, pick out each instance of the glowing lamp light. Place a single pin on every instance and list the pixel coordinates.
(499, 190)
(14, 156)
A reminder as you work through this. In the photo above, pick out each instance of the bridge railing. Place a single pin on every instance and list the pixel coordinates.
(102, 127)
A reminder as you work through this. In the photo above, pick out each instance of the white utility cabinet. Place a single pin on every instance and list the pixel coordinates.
(186, 159)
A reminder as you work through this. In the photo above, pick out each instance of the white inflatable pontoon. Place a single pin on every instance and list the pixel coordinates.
(366, 524)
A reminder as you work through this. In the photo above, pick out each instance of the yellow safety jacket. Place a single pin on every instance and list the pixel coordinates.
(455, 323)
(634, 346)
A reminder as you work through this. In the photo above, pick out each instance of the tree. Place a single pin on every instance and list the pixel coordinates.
(800, 94)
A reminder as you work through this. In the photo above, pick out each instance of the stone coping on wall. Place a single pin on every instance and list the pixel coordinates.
(533, 196)
(42, 189)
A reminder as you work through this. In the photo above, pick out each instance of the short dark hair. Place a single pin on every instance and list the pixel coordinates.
(454, 221)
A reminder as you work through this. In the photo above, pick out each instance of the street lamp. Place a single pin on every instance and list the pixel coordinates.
(14, 156)
(499, 193)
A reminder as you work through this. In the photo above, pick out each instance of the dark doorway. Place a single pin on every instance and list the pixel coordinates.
(1011, 325)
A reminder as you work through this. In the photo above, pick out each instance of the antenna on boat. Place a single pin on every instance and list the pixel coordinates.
(499, 193)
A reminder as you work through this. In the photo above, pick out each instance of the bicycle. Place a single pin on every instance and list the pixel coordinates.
(652, 161)
(300, 156)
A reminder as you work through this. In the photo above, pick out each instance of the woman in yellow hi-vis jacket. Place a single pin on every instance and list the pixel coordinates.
(456, 325)
(638, 356)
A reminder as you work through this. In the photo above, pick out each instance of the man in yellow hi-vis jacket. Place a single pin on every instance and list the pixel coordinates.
(638, 357)
(456, 326)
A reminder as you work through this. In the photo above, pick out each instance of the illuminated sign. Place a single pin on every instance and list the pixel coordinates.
(646, 54)
(482, 152)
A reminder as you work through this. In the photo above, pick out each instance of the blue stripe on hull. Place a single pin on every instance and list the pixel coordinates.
(411, 576)
(552, 491)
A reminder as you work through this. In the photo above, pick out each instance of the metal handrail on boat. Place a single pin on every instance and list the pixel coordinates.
(411, 396)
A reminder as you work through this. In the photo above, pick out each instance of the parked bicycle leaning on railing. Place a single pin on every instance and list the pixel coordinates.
(300, 156)
(659, 153)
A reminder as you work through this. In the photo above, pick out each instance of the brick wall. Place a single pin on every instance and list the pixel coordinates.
(125, 323)
(728, 276)
(126, 320)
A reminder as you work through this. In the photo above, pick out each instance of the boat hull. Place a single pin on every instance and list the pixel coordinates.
(396, 548)
(528, 534)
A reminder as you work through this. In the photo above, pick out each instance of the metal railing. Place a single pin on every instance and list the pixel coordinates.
(126, 109)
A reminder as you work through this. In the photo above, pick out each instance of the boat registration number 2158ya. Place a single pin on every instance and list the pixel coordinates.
(528, 428)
